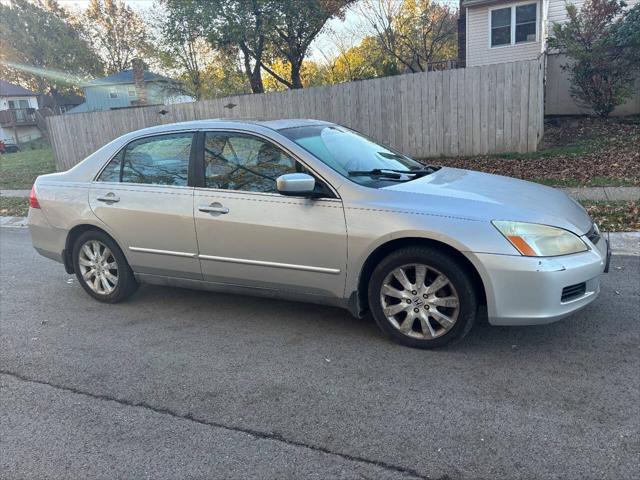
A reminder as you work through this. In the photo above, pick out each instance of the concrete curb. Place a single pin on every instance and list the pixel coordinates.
(622, 243)
(13, 221)
(625, 243)
(604, 194)
(15, 193)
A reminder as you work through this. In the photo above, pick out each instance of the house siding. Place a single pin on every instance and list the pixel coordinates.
(478, 50)
(558, 12)
(98, 99)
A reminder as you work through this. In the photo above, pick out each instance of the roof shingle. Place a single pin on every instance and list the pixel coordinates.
(126, 76)
(11, 90)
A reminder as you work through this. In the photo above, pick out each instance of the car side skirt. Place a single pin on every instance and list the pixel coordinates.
(236, 289)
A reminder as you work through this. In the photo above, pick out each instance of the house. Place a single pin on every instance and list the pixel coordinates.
(17, 114)
(497, 31)
(129, 88)
(56, 103)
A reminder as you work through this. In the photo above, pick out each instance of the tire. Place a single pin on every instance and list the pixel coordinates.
(426, 314)
(84, 262)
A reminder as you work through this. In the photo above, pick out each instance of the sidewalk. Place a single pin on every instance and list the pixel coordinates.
(579, 193)
(15, 193)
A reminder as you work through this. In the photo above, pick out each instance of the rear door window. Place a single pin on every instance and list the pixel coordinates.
(158, 160)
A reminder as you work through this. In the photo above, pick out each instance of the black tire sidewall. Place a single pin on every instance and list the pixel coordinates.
(444, 263)
(126, 281)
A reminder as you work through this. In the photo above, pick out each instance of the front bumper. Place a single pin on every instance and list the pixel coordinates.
(529, 291)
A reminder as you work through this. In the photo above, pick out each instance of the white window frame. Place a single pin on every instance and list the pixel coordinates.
(132, 89)
(113, 93)
(513, 6)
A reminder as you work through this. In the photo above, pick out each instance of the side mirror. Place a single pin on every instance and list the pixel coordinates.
(296, 184)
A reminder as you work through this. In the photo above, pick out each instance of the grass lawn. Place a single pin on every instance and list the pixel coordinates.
(19, 170)
(14, 207)
(576, 152)
(615, 216)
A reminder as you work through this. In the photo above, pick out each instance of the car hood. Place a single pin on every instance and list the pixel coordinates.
(477, 195)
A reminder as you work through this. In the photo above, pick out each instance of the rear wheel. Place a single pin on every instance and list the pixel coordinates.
(101, 268)
(422, 297)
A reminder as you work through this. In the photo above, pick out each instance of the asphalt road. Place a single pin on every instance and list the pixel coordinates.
(185, 384)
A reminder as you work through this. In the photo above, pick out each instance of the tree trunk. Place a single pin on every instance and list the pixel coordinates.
(296, 79)
(255, 79)
(254, 75)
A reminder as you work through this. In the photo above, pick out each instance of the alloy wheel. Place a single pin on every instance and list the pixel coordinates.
(98, 267)
(419, 301)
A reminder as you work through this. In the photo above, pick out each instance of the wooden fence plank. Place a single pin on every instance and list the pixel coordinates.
(524, 105)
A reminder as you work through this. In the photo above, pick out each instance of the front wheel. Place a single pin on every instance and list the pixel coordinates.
(101, 268)
(422, 297)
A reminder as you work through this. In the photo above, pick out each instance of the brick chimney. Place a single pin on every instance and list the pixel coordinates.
(139, 67)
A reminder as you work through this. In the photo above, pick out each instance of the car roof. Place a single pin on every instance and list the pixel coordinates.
(280, 124)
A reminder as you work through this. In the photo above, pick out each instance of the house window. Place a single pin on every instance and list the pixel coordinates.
(18, 104)
(113, 92)
(526, 23)
(132, 92)
(500, 26)
(513, 25)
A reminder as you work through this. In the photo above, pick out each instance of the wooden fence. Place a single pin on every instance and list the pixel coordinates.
(467, 111)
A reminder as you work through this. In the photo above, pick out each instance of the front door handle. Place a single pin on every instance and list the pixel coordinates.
(109, 198)
(214, 208)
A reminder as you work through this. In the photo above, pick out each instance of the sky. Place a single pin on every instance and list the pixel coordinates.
(350, 30)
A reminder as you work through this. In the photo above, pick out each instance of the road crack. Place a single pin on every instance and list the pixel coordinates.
(248, 431)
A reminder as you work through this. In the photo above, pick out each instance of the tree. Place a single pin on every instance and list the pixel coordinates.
(262, 31)
(414, 32)
(296, 25)
(232, 26)
(311, 75)
(627, 35)
(117, 32)
(179, 46)
(360, 62)
(600, 69)
(223, 76)
(41, 49)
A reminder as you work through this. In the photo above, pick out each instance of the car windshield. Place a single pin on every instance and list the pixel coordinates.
(355, 156)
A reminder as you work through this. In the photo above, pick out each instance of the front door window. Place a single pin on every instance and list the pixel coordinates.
(235, 161)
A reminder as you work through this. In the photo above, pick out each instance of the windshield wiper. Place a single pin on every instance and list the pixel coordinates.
(393, 173)
(376, 172)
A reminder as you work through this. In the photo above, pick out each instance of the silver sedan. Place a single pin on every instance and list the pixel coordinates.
(313, 211)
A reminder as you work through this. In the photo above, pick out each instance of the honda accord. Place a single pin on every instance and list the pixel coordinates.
(312, 211)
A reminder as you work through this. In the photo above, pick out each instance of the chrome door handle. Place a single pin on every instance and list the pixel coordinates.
(214, 208)
(108, 198)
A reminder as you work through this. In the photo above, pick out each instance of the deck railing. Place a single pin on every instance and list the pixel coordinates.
(18, 117)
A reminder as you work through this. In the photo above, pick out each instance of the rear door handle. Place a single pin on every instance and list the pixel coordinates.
(214, 208)
(109, 198)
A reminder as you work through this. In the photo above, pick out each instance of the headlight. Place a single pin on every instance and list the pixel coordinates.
(533, 240)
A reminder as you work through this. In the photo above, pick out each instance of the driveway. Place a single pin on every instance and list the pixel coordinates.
(185, 384)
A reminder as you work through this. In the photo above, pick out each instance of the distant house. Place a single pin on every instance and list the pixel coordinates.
(17, 113)
(57, 103)
(498, 31)
(134, 87)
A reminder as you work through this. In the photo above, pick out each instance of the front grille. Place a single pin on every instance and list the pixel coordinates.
(594, 234)
(573, 291)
